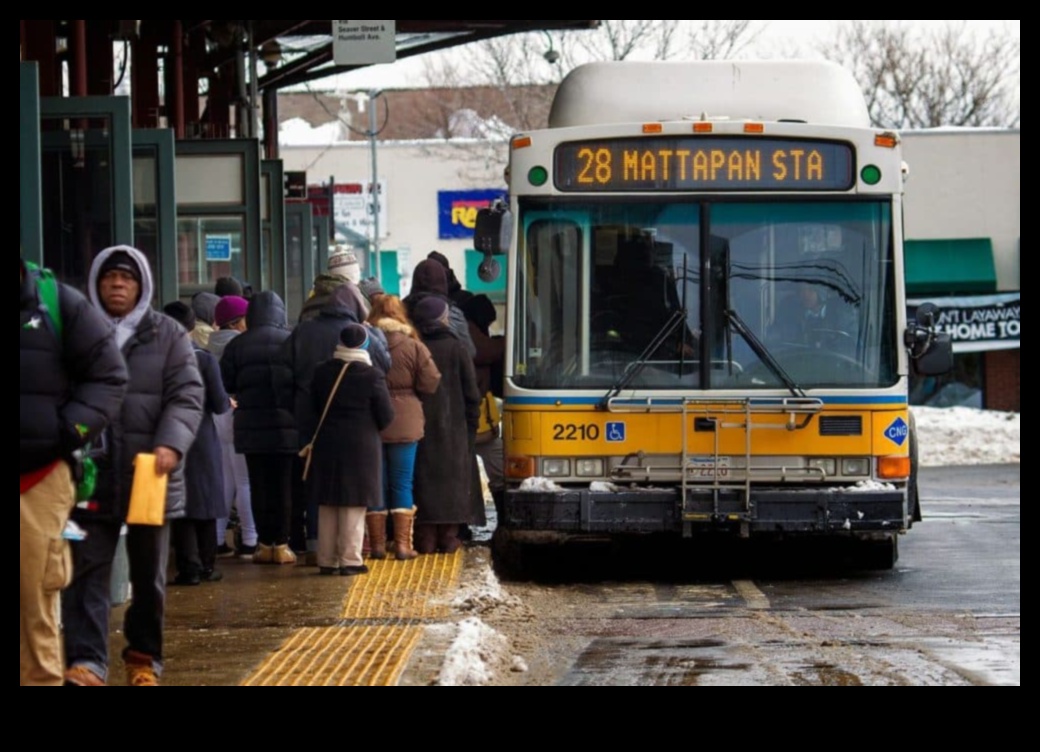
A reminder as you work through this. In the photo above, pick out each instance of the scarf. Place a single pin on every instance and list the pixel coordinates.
(350, 355)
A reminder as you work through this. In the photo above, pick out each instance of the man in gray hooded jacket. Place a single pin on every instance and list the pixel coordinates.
(160, 415)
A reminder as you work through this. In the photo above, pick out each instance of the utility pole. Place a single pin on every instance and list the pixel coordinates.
(372, 131)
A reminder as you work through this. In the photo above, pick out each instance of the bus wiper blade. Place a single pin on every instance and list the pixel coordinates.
(760, 350)
(669, 326)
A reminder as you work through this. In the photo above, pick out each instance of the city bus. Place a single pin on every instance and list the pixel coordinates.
(706, 317)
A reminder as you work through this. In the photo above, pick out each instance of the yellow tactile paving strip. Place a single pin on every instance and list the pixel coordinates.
(383, 617)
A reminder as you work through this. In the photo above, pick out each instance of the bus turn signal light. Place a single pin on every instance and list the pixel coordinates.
(894, 468)
(519, 467)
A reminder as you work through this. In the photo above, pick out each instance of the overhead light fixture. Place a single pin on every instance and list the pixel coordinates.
(271, 53)
(551, 56)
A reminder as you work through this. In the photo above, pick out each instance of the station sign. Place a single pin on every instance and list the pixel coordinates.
(364, 42)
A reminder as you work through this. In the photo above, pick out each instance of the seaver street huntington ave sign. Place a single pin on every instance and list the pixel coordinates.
(978, 322)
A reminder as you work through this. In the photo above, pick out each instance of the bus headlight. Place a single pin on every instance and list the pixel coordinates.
(827, 466)
(587, 468)
(555, 467)
(855, 466)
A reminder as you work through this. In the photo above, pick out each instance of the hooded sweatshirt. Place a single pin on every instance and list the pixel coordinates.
(164, 398)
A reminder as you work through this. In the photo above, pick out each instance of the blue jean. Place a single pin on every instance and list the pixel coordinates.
(398, 476)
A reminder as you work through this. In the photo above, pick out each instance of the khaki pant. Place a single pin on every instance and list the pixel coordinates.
(341, 533)
(46, 568)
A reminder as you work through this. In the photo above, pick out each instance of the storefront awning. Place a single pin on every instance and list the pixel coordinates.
(955, 266)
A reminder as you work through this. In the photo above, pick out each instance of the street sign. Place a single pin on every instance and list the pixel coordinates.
(364, 42)
(353, 210)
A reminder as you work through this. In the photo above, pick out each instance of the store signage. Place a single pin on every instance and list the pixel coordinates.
(978, 322)
(457, 211)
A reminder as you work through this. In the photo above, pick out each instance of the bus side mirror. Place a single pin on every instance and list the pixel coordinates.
(491, 236)
(931, 351)
(493, 231)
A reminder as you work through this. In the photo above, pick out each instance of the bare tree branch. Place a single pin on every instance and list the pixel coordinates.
(950, 76)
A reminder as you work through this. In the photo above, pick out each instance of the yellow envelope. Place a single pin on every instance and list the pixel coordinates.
(148, 496)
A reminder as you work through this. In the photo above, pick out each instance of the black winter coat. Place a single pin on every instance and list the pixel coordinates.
(347, 463)
(163, 407)
(312, 342)
(260, 381)
(204, 468)
(445, 463)
(80, 380)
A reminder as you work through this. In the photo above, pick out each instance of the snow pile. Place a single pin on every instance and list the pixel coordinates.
(967, 436)
(484, 595)
(474, 656)
(540, 484)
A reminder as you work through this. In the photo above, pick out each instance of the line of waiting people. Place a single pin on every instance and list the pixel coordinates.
(227, 412)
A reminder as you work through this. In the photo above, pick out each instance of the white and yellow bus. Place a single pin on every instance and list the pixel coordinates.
(706, 319)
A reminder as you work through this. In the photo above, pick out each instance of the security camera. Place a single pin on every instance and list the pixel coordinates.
(551, 56)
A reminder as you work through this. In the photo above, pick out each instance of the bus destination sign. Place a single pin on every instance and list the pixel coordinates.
(703, 163)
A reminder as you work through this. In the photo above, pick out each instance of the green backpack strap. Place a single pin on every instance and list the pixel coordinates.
(47, 289)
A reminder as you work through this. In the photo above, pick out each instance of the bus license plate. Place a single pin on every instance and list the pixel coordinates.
(706, 467)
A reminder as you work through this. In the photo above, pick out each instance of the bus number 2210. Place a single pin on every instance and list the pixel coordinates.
(575, 432)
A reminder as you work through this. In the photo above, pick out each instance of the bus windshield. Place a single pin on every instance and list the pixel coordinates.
(645, 292)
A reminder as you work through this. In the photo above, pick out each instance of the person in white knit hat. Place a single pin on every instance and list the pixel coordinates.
(343, 269)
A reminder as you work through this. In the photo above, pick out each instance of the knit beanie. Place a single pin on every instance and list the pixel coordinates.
(122, 261)
(345, 264)
(370, 287)
(181, 312)
(430, 309)
(228, 286)
(354, 336)
(229, 308)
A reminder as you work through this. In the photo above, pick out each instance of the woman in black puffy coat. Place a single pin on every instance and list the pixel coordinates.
(265, 426)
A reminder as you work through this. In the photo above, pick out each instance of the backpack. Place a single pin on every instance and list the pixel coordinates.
(47, 290)
(84, 469)
(490, 417)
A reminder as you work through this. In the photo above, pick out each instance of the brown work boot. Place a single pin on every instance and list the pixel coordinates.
(282, 554)
(139, 670)
(376, 523)
(403, 520)
(81, 676)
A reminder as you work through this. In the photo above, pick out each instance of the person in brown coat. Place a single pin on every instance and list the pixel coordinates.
(412, 373)
(445, 464)
(346, 463)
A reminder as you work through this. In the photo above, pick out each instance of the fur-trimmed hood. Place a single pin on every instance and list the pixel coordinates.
(393, 325)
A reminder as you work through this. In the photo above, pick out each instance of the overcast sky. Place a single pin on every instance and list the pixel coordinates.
(778, 38)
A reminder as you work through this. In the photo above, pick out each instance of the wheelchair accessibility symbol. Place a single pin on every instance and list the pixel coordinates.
(615, 431)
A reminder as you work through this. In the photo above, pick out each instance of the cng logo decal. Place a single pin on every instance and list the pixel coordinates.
(615, 431)
(898, 431)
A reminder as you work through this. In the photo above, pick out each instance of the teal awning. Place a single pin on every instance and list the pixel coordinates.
(950, 267)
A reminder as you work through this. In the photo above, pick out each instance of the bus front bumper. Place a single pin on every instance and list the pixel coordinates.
(769, 510)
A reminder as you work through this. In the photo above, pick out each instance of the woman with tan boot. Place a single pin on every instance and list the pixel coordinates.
(412, 373)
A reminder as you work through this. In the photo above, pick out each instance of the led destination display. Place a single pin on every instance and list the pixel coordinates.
(697, 164)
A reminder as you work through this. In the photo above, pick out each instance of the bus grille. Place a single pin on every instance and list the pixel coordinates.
(841, 425)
